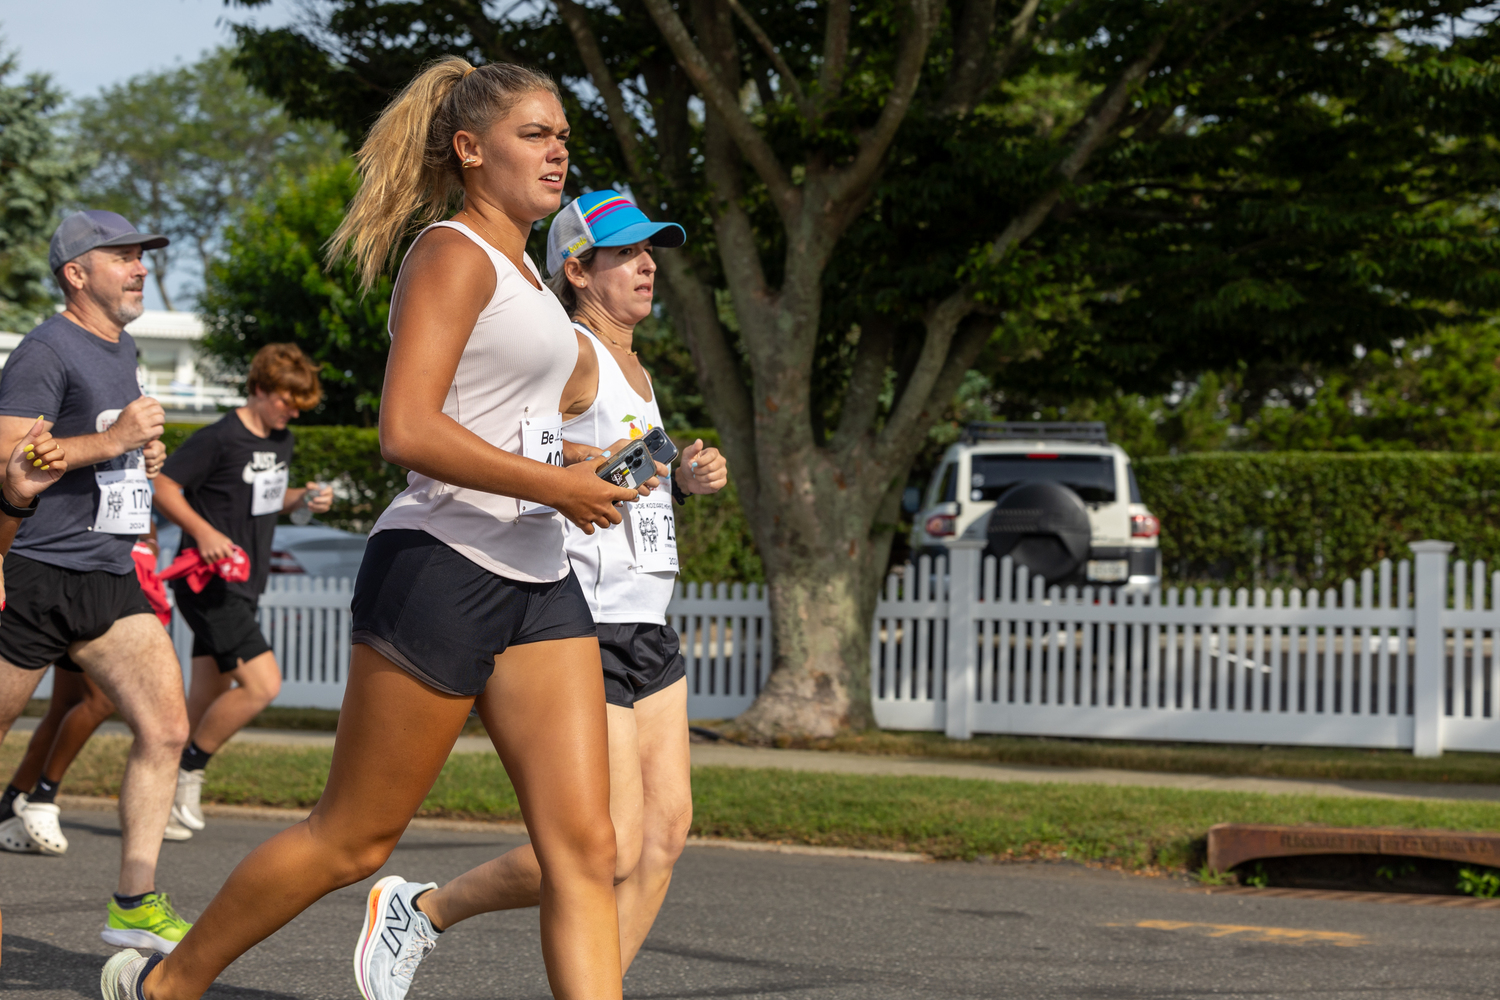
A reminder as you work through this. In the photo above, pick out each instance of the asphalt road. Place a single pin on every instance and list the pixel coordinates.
(741, 924)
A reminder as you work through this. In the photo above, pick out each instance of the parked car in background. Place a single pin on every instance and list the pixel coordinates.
(314, 550)
(1058, 498)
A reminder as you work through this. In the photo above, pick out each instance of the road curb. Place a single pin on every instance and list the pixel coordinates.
(290, 816)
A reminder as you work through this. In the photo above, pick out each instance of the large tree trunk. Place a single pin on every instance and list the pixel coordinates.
(822, 601)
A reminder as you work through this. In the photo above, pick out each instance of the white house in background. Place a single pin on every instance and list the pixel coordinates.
(168, 346)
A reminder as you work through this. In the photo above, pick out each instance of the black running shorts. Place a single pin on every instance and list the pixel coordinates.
(640, 659)
(223, 624)
(444, 619)
(48, 608)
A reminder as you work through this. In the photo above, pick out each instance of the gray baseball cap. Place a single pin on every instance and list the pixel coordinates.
(84, 231)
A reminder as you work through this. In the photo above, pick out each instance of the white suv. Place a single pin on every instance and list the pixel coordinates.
(992, 459)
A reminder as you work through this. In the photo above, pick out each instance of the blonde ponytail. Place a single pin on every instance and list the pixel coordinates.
(410, 174)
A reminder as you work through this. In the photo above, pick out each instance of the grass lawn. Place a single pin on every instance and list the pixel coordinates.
(946, 817)
(1184, 758)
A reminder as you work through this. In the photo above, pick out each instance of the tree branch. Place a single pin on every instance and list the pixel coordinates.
(835, 53)
(783, 70)
(866, 380)
(620, 119)
(752, 145)
(850, 184)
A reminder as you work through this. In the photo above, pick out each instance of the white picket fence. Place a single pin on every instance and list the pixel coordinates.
(1406, 657)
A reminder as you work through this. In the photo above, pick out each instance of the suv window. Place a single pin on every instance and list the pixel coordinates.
(947, 489)
(1092, 477)
(1135, 487)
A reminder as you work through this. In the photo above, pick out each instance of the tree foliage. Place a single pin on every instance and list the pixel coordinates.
(181, 150)
(38, 172)
(269, 285)
(1075, 197)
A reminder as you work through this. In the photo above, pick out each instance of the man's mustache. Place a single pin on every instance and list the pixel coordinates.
(135, 286)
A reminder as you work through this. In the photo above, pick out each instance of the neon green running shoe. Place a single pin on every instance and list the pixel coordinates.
(153, 924)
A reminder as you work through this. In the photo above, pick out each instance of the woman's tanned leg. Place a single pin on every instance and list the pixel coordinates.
(67, 691)
(665, 770)
(77, 726)
(544, 710)
(394, 736)
(514, 879)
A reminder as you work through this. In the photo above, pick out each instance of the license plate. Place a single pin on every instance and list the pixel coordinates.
(1109, 570)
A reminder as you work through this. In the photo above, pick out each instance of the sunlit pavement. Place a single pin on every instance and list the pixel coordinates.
(744, 924)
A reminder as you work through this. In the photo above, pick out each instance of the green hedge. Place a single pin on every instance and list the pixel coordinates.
(1315, 518)
(713, 536)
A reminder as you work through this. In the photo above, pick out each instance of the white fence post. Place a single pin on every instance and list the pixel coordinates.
(1428, 673)
(963, 585)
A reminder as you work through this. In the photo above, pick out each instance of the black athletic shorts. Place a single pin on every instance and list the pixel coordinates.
(444, 619)
(48, 608)
(640, 659)
(223, 624)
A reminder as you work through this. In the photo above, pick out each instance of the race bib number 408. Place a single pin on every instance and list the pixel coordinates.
(541, 441)
(124, 502)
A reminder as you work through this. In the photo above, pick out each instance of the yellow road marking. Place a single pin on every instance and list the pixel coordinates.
(1245, 932)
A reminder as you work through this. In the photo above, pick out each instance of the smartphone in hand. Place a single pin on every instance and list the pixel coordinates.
(630, 467)
(661, 447)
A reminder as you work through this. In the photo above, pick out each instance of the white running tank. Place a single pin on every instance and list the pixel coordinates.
(605, 561)
(514, 367)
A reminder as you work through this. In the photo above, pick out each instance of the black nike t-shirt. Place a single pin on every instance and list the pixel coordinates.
(228, 474)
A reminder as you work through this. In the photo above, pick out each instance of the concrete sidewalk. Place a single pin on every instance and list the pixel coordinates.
(730, 755)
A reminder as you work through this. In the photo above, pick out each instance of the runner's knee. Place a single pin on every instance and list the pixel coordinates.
(665, 834)
(627, 852)
(587, 851)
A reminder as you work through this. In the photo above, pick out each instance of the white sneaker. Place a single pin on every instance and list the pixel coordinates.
(175, 830)
(13, 835)
(122, 975)
(186, 808)
(395, 939)
(40, 820)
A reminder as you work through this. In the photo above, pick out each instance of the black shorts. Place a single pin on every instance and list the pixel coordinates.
(223, 624)
(640, 659)
(444, 619)
(48, 608)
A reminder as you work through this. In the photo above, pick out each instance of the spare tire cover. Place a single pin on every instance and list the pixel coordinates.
(1043, 526)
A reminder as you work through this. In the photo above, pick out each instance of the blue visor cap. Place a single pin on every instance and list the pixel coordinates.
(605, 219)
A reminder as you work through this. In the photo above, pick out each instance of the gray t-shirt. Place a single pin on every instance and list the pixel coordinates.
(80, 382)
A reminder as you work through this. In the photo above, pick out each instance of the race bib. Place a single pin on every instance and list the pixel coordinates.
(269, 492)
(654, 531)
(541, 441)
(124, 502)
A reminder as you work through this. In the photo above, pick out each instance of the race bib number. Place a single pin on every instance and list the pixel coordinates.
(124, 502)
(654, 532)
(269, 494)
(541, 441)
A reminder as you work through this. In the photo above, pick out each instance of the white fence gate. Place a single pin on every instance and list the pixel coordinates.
(1404, 658)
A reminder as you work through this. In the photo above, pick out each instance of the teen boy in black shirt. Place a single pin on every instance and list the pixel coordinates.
(225, 486)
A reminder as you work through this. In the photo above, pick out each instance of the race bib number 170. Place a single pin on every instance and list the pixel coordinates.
(124, 502)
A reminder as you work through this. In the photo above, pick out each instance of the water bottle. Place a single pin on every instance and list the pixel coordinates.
(302, 513)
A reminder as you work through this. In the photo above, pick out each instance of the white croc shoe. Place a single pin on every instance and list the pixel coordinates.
(41, 821)
(13, 835)
(186, 807)
(175, 830)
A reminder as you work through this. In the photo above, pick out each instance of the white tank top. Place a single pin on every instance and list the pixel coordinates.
(605, 560)
(514, 367)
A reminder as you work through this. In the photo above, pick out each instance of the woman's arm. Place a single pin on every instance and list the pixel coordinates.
(444, 285)
(36, 462)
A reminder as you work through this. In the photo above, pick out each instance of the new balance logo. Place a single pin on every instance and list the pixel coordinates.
(397, 922)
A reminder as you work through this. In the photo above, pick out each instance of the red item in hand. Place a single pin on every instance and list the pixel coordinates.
(156, 592)
(190, 564)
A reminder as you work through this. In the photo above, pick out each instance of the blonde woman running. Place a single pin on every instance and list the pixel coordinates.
(599, 263)
(465, 596)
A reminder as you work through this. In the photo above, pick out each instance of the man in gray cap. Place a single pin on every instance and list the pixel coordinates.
(70, 579)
